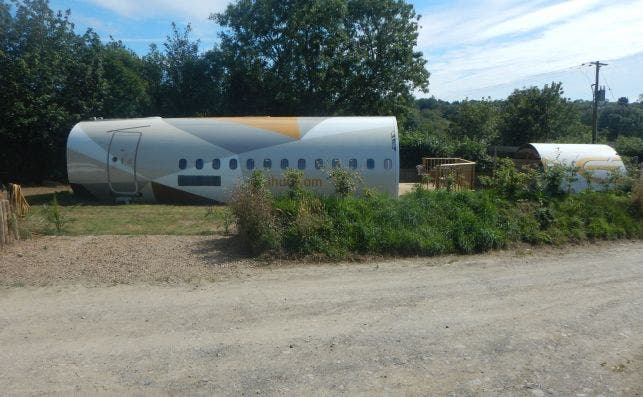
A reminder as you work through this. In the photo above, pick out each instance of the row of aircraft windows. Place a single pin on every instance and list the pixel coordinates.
(233, 164)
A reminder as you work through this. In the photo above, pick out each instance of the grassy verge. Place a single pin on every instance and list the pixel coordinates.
(84, 218)
(425, 222)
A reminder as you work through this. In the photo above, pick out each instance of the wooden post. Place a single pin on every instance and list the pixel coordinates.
(4, 237)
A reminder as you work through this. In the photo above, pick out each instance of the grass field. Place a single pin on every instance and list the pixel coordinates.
(87, 218)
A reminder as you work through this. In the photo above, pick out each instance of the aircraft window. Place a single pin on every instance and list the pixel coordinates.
(250, 164)
(301, 164)
(199, 164)
(216, 164)
(199, 180)
(388, 164)
(319, 164)
(352, 164)
(370, 164)
(183, 164)
(336, 163)
(233, 164)
(267, 164)
(284, 164)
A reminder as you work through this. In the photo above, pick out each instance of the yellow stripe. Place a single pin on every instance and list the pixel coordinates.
(288, 126)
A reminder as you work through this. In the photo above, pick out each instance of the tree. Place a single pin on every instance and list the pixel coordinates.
(475, 120)
(623, 101)
(182, 81)
(320, 57)
(50, 78)
(126, 90)
(540, 115)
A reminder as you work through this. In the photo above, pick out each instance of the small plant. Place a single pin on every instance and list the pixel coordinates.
(53, 215)
(227, 216)
(449, 181)
(295, 182)
(346, 182)
(510, 182)
(252, 207)
(558, 179)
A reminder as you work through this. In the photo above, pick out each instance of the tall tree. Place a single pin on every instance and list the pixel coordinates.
(50, 78)
(126, 90)
(475, 120)
(182, 81)
(539, 115)
(320, 56)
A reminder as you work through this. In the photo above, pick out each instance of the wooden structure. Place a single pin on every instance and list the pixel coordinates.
(448, 172)
(12, 206)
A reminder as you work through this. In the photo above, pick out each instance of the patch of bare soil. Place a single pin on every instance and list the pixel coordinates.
(117, 259)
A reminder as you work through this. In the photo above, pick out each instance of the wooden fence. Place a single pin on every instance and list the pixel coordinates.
(12, 207)
(448, 172)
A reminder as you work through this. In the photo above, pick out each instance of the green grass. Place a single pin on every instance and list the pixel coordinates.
(431, 223)
(86, 218)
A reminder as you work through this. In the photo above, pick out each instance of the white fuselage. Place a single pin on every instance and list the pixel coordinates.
(201, 159)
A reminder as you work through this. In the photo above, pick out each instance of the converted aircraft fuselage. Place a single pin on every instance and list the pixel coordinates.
(201, 160)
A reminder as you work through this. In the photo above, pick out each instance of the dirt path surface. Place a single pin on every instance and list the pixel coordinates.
(533, 323)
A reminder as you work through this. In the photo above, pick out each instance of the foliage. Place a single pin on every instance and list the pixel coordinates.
(621, 120)
(54, 215)
(320, 57)
(475, 121)
(251, 204)
(538, 115)
(345, 181)
(50, 77)
(630, 146)
(512, 183)
(295, 182)
(437, 222)
(530, 184)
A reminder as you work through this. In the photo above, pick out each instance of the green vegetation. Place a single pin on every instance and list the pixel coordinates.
(274, 58)
(334, 57)
(430, 222)
(76, 218)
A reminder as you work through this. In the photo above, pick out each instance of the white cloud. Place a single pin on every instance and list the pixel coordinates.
(193, 10)
(585, 33)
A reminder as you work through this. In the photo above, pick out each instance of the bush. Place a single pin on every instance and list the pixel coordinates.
(345, 181)
(252, 207)
(427, 222)
(630, 146)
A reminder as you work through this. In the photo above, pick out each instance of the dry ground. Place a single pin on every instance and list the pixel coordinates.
(529, 322)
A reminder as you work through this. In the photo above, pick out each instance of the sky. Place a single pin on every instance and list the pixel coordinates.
(474, 49)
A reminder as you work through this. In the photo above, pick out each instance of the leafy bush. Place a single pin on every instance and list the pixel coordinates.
(345, 181)
(427, 222)
(630, 146)
(252, 206)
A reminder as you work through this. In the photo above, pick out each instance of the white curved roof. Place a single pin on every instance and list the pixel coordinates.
(570, 152)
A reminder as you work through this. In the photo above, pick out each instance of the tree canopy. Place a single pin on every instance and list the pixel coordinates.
(321, 57)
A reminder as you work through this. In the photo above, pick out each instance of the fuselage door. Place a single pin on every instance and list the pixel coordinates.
(121, 162)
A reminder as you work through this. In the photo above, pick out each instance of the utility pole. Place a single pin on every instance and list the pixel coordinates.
(596, 97)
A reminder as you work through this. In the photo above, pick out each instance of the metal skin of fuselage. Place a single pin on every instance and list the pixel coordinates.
(192, 160)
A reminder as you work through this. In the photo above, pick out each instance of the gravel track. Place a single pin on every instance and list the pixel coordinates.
(544, 322)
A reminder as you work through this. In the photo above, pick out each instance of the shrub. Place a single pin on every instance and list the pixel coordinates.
(427, 222)
(54, 216)
(252, 207)
(345, 181)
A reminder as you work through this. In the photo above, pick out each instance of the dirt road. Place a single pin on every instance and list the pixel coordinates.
(533, 323)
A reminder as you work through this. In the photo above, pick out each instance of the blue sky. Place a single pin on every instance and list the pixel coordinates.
(474, 49)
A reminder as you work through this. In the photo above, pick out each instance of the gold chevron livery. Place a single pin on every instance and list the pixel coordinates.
(200, 160)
